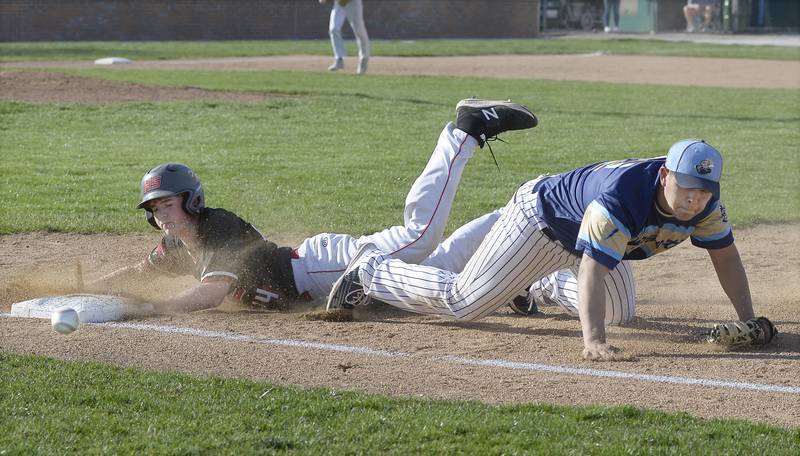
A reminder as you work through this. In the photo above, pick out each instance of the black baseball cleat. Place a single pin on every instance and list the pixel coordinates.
(485, 119)
(348, 292)
(524, 305)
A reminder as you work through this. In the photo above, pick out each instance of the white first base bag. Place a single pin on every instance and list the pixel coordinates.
(91, 308)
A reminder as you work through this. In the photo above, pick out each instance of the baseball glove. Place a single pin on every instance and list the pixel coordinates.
(756, 331)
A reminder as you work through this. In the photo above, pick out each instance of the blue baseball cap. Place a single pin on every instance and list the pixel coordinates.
(696, 165)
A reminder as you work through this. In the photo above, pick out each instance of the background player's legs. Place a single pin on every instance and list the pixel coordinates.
(355, 17)
(429, 200)
(708, 13)
(561, 288)
(338, 16)
(452, 254)
(513, 254)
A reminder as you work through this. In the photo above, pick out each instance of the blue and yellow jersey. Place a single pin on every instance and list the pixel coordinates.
(609, 211)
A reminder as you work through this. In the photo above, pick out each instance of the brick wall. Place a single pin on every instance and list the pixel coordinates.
(131, 20)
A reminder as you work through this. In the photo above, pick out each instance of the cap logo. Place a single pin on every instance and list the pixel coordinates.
(151, 184)
(704, 167)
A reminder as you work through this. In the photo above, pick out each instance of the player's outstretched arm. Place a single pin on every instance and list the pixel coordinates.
(732, 277)
(592, 311)
(198, 297)
(130, 280)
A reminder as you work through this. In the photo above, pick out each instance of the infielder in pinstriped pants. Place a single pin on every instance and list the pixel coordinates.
(591, 220)
(559, 288)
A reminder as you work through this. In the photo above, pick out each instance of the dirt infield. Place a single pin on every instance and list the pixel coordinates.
(666, 340)
(43, 87)
(686, 71)
(502, 359)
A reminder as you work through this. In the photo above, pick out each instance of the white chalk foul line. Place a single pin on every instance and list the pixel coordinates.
(624, 375)
(242, 338)
(452, 359)
(462, 360)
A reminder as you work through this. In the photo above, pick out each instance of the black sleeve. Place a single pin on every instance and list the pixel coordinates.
(236, 249)
(227, 241)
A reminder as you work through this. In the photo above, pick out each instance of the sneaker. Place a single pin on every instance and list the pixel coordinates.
(606, 29)
(485, 119)
(337, 65)
(362, 65)
(524, 305)
(348, 292)
(615, 29)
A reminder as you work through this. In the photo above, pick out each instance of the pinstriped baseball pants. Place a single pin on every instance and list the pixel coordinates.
(561, 288)
(515, 254)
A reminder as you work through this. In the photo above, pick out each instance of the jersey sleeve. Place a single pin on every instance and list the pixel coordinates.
(714, 230)
(227, 244)
(602, 235)
(222, 265)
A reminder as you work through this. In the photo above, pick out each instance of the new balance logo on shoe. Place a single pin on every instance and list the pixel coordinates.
(489, 113)
(485, 119)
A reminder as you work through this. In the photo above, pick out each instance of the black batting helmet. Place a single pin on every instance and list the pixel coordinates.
(171, 179)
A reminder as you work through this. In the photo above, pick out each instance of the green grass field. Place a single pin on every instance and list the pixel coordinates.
(348, 148)
(11, 52)
(55, 407)
(337, 153)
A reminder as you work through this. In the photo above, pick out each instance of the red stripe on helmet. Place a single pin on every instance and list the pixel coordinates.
(151, 184)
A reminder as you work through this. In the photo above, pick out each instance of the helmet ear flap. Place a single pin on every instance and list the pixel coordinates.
(193, 202)
(150, 219)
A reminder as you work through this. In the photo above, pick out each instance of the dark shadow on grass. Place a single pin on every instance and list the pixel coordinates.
(402, 100)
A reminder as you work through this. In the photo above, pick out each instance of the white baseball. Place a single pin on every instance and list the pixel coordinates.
(64, 320)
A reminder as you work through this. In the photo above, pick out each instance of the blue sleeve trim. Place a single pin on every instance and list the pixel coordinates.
(714, 244)
(716, 237)
(594, 246)
(598, 255)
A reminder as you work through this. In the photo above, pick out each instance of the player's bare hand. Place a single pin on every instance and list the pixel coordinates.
(602, 352)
